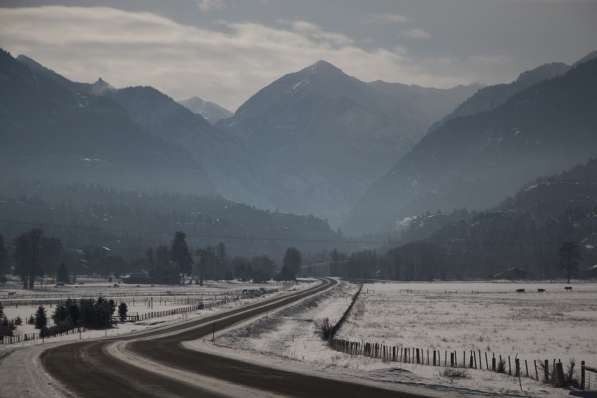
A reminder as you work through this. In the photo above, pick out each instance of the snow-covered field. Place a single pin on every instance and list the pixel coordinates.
(446, 316)
(140, 299)
(292, 333)
(491, 317)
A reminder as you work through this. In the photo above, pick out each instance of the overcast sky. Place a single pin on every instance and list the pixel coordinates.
(226, 50)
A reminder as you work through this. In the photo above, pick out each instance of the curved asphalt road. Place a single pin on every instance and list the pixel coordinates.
(90, 372)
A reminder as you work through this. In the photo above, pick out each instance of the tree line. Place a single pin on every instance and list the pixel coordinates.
(129, 221)
(171, 264)
(36, 255)
(426, 261)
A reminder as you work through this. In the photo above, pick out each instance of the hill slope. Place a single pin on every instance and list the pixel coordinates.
(491, 97)
(211, 111)
(475, 161)
(58, 130)
(316, 138)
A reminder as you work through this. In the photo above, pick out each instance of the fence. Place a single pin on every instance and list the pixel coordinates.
(472, 359)
(21, 338)
(546, 370)
(586, 374)
(130, 318)
(340, 322)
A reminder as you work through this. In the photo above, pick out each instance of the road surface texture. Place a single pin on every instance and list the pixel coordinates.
(89, 371)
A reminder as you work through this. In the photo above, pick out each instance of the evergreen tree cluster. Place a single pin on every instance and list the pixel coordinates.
(3, 260)
(7, 327)
(35, 255)
(291, 265)
(171, 264)
(88, 313)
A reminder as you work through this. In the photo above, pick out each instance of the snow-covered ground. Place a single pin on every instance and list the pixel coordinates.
(491, 317)
(292, 333)
(140, 299)
(445, 316)
(20, 365)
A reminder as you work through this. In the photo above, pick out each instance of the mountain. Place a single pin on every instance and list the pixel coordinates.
(59, 130)
(316, 138)
(524, 231)
(589, 57)
(475, 161)
(491, 97)
(211, 111)
(222, 156)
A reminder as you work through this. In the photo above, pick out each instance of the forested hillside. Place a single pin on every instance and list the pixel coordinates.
(524, 232)
(129, 222)
(476, 161)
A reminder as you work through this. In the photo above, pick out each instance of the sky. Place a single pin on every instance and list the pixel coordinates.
(226, 50)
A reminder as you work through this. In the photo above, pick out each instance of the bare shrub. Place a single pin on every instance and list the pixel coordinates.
(569, 379)
(325, 328)
(453, 374)
(501, 366)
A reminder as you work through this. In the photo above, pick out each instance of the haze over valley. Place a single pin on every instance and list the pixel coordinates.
(298, 199)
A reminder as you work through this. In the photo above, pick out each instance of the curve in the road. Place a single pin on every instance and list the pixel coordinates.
(90, 372)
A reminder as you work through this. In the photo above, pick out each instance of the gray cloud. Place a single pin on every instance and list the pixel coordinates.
(225, 65)
(227, 49)
(417, 33)
(388, 18)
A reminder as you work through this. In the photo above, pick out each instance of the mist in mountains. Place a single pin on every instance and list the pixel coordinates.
(362, 155)
(211, 111)
(476, 160)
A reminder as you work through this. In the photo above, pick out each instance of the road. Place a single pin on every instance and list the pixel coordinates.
(88, 370)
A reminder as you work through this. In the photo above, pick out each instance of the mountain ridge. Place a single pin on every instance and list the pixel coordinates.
(318, 136)
(211, 111)
(474, 161)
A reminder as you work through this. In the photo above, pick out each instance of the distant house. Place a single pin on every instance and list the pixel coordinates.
(512, 273)
(136, 278)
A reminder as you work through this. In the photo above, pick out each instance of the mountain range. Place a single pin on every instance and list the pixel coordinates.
(316, 138)
(55, 129)
(316, 141)
(211, 111)
(475, 160)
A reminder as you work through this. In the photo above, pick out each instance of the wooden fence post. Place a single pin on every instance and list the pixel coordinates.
(546, 370)
(582, 375)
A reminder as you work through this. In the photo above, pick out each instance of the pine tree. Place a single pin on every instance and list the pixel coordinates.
(61, 315)
(180, 253)
(570, 258)
(292, 264)
(3, 258)
(74, 314)
(27, 256)
(41, 319)
(122, 311)
(62, 275)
